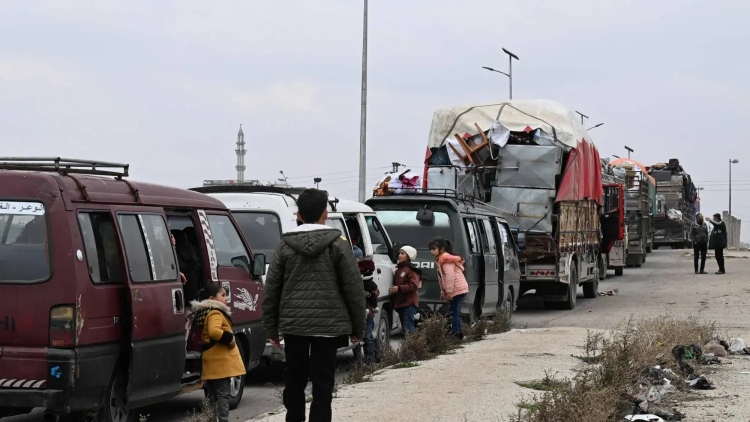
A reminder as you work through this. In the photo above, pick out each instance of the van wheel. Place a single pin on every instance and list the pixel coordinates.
(508, 305)
(237, 384)
(570, 304)
(115, 406)
(383, 336)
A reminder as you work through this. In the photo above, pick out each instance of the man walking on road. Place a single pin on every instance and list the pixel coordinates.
(699, 237)
(719, 241)
(313, 300)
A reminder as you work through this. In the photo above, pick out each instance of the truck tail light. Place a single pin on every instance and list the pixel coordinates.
(62, 326)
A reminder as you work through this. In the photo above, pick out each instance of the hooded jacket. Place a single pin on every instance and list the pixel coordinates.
(219, 359)
(313, 286)
(699, 233)
(451, 276)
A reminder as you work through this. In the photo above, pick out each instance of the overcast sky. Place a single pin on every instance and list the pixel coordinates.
(164, 85)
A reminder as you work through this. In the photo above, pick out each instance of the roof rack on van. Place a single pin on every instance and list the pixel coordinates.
(64, 166)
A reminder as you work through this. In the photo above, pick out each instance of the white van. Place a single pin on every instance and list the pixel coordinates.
(265, 212)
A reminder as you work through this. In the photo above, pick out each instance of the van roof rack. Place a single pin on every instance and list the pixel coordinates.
(65, 166)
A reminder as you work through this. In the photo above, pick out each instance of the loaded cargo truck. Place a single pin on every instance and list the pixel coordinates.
(533, 159)
(675, 205)
(639, 216)
(615, 252)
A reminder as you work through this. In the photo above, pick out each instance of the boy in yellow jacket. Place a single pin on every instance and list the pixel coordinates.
(221, 358)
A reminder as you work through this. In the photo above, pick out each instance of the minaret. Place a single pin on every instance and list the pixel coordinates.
(240, 156)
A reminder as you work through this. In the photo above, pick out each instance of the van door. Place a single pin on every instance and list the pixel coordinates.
(491, 265)
(157, 306)
(382, 257)
(510, 267)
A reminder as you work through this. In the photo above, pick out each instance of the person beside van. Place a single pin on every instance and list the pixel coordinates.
(453, 285)
(405, 289)
(313, 300)
(699, 237)
(366, 269)
(719, 240)
(221, 358)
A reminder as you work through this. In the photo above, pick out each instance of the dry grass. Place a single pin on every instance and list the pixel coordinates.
(203, 414)
(604, 392)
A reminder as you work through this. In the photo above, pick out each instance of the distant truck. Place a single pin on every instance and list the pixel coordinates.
(535, 160)
(675, 205)
(640, 191)
(615, 252)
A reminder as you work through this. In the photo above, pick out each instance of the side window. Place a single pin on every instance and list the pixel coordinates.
(148, 247)
(483, 235)
(471, 230)
(507, 238)
(100, 244)
(377, 236)
(489, 236)
(227, 241)
(338, 224)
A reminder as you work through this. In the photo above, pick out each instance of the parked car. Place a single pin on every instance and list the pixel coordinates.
(92, 307)
(479, 233)
(265, 212)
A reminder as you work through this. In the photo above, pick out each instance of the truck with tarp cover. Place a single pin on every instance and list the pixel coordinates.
(675, 204)
(533, 159)
(640, 191)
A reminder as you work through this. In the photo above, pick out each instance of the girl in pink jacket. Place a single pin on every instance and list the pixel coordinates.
(453, 285)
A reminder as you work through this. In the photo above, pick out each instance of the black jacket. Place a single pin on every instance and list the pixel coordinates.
(699, 232)
(719, 235)
(314, 287)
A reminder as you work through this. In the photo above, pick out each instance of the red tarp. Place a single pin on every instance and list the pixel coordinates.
(582, 176)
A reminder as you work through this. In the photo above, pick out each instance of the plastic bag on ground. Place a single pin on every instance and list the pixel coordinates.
(649, 418)
(736, 345)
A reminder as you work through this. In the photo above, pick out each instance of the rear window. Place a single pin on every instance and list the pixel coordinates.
(24, 247)
(261, 230)
(402, 226)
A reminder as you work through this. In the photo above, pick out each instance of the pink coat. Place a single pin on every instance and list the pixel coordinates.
(451, 276)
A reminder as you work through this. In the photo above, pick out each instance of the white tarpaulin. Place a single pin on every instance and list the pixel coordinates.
(556, 121)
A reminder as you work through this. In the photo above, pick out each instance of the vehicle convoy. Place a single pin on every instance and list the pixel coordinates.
(615, 252)
(480, 233)
(264, 213)
(675, 205)
(92, 306)
(534, 160)
(640, 190)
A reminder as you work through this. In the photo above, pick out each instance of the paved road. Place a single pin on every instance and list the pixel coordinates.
(665, 285)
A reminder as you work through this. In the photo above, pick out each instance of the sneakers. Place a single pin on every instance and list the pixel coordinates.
(696, 271)
(720, 272)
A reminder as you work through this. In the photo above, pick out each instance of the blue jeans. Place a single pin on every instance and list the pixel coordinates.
(369, 340)
(406, 315)
(455, 307)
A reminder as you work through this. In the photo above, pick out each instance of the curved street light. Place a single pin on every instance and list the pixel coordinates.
(594, 127)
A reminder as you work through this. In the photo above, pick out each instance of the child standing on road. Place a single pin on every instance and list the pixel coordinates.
(221, 358)
(453, 285)
(405, 288)
(366, 269)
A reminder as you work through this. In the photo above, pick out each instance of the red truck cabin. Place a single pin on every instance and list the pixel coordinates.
(92, 307)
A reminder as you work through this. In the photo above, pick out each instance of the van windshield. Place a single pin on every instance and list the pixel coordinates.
(262, 231)
(24, 248)
(402, 226)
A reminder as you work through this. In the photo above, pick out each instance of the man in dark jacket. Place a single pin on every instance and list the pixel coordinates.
(699, 237)
(719, 240)
(313, 300)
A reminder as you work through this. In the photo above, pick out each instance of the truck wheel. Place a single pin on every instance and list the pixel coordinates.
(570, 304)
(619, 271)
(591, 288)
(602, 268)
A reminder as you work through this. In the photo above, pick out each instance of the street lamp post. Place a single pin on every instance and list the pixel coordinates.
(363, 115)
(511, 56)
(317, 181)
(731, 161)
(582, 116)
(594, 127)
(629, 150)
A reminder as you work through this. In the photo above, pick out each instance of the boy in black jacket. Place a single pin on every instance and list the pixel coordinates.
(366, 269)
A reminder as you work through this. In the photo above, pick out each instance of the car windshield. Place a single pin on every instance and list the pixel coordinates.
(24, 247)
(261, 230)
(403, 227)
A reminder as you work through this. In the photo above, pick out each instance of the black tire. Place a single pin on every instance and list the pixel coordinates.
(602, 268)
(237, 386)
(570, 303)
(383, 335)
(591, 289)
(508, 305)
(114, 407)
(619, 271)
(649, 249)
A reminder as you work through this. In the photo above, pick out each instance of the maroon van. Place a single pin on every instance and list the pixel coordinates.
(93, 310)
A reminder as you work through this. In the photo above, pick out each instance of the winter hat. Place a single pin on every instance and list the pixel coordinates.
(358, 254)
(410, 252)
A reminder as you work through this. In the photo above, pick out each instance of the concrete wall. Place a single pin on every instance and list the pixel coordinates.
(734, 226)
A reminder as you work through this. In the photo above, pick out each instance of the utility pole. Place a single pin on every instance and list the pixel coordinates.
(363, 116)
(731, 161)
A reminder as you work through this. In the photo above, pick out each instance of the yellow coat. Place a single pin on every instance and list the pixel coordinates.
(220, 361)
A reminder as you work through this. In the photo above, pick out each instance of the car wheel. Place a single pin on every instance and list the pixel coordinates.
(508, 305)
(383, 336)
(115, 406)
(570, 304)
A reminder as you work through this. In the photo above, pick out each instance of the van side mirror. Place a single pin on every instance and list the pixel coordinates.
(259, 265)
(241, 262)
(521, 240)
(396, 249)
